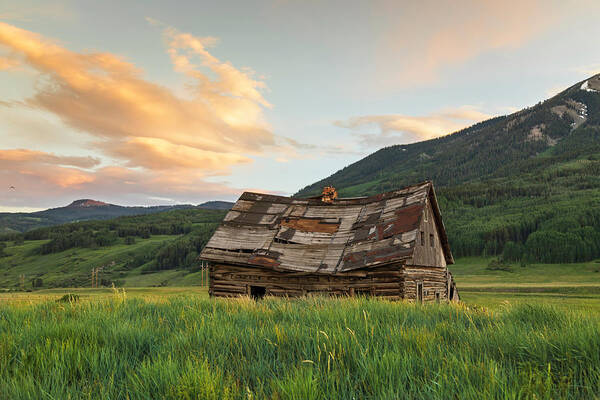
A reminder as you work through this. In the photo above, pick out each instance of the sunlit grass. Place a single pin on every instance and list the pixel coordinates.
(186, 346)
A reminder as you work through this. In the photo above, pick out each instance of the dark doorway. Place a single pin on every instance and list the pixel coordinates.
(420, 292)
(257, 292)
(451, 297)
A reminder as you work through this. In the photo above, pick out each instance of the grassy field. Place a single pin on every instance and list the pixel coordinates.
(567, 286)
(472, 273)
(155, 294)
(528, 333)
(189, 347)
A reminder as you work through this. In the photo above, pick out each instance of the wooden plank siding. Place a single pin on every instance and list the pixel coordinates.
(392, 282)
(424, 253)
(230, 281)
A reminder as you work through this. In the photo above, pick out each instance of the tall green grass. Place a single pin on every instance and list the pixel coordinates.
(190, 348)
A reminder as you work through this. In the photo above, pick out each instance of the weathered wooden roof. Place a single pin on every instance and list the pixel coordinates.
(309, 235)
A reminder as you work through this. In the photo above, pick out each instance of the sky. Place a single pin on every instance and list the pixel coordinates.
(155, 102)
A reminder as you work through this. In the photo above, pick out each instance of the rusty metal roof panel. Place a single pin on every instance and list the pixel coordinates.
(310, 235)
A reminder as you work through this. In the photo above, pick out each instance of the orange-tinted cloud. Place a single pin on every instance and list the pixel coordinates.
(41, 179)
(160, 154)
(105, 96)
(8, 63)
(38, 157)
(22, 165)
(401, 129)
(158, 142)
(440, 34)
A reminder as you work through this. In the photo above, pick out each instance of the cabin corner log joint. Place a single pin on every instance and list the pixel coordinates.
(392, 245)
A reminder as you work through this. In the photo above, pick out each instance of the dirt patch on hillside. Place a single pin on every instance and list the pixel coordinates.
(536, 134)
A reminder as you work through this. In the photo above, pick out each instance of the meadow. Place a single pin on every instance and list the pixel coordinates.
(190, 347)
(530, 332)
(574, 286)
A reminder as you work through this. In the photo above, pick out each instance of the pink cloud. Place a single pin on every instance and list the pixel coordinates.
(437, 35)
(401, 129)
(44, 179)
(104, 95)
(159, 142)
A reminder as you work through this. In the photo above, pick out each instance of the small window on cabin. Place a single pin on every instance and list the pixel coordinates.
(422, 238)
(431, 240)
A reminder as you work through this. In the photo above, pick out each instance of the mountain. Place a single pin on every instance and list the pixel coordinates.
(526, 185)
(217, 205)
(85, 210)
(87, 203)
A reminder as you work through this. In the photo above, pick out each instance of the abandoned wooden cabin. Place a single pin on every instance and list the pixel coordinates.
(391, 245)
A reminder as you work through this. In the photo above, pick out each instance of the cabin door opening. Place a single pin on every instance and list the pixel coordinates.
(451, 297)
(257, 292)
(420, 292)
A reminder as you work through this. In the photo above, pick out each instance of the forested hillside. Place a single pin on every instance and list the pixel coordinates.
(125, 248)
(86, 210)
(525, 186)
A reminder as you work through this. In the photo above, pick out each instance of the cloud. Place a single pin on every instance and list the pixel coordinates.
(24, 127)
(63, 171)
(24, 155)
(402, 129)
(104, 95)
(588, 70)
(157, 140)
(437, 35)
(160, 154)
(43, 179)
(8, 62)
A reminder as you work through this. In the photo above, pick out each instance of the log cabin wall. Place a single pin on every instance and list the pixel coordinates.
(434, 281)
(231, 281)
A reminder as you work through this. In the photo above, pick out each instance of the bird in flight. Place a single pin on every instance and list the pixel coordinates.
(12, 188)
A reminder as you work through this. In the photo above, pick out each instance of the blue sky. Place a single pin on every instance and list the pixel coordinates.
(167, 102)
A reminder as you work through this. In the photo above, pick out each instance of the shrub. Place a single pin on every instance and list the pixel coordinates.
(498, 265)
(69, 298)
